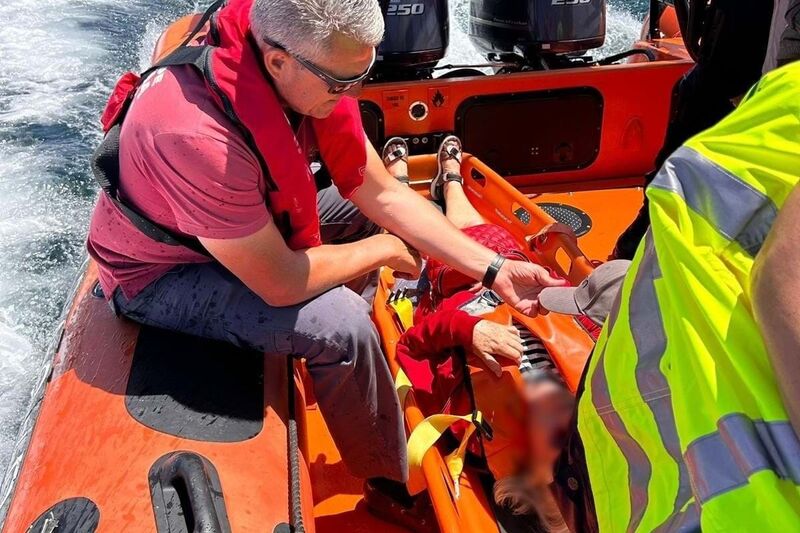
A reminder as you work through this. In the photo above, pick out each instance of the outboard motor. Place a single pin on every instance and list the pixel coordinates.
(536, 30)
(416, 38)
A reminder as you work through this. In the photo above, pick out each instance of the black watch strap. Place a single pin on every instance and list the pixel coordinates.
(491, 272)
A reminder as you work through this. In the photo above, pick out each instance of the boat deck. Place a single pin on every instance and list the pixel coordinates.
(611, 211)
(338, 502)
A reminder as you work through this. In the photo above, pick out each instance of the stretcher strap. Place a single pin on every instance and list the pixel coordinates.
(555, 228)
(403, 386)
(425, 436)
(404, 312)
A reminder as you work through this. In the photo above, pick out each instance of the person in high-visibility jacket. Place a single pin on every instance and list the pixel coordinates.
(682, 415)
(730, 38)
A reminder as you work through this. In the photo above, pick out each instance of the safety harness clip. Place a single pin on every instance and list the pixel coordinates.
(482, 425)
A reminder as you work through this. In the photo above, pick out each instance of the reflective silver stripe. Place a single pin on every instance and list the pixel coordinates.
(686, 521)
(650, 339)
(737, 210)
(639, 468)
(723, 461)
(742, 214)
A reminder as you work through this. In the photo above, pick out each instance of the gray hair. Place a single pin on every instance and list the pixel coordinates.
(306, 27)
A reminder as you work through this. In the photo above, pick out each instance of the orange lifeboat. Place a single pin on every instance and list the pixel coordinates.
(141, 430)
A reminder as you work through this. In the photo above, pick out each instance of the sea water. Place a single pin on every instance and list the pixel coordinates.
(58, 62)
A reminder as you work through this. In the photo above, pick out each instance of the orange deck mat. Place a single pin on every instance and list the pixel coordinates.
(338, 504)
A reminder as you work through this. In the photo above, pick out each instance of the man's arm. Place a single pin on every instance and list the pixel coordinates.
(282, 276)
(211, 183)
(789, 47)
(776, 301)
(405, 213)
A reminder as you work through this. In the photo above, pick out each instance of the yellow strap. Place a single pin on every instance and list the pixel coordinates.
(402, 385)
(425, 436)
(404, 310)
(431, 429)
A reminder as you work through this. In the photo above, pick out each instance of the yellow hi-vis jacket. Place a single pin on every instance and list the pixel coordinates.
(681, 418)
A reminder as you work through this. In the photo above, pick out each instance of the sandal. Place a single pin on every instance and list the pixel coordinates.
(449, 149)
(395, 149)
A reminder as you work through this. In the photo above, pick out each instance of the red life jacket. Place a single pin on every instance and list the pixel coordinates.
(231, 65)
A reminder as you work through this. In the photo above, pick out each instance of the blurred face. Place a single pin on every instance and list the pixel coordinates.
(306, 86)
(550, 410)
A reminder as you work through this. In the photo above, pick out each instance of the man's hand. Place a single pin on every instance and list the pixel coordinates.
(403, 259)
(490, 339)
(405, 213)
(519, 284)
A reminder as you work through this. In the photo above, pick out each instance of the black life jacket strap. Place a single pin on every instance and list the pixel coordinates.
(185, 55)
(105, 161)
(105, 167)
(213, 8)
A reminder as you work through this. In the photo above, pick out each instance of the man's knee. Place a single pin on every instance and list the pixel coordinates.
(357, 337)
(340, 329)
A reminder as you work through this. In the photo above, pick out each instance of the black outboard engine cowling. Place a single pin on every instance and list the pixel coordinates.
(416, 38)
(537, 27)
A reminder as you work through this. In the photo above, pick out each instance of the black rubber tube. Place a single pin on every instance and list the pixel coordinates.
(622, 55)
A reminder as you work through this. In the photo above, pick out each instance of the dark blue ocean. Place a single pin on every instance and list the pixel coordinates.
(58, 61)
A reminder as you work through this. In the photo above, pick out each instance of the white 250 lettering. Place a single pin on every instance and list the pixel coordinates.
(402, 10)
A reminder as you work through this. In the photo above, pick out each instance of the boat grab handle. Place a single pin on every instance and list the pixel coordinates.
(187, 495)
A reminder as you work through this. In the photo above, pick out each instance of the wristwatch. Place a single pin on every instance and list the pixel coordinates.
(491, 272)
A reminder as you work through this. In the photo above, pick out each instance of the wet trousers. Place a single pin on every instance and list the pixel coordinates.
(333, 332)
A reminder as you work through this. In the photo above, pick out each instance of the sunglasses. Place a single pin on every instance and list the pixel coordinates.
(335, 85)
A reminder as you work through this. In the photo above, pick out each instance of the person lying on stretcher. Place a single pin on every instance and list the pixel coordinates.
(455, 314)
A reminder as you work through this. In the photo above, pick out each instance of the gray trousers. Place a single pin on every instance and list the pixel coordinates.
(333, 332)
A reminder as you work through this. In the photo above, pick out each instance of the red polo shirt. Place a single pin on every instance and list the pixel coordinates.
(186, 167)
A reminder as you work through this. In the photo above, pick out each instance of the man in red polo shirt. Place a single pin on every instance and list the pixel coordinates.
(221, 149)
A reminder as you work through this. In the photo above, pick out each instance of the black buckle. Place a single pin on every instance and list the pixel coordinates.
(396, 295)
(492, 297)
(483, 426)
